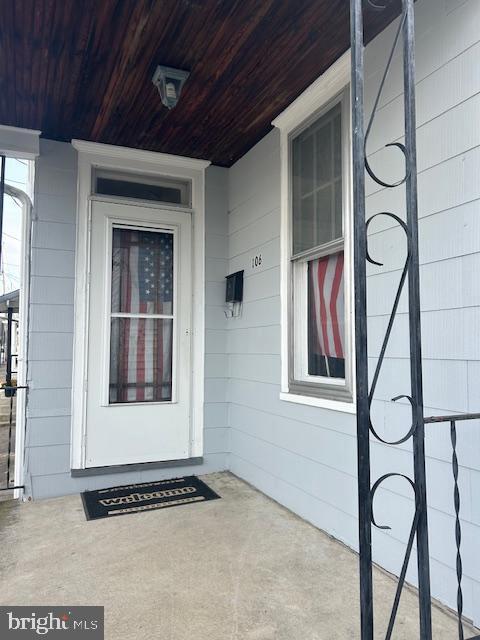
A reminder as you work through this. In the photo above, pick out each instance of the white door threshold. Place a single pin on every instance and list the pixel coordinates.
(140, 466)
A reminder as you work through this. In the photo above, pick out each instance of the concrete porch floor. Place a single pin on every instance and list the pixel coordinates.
(240, 568)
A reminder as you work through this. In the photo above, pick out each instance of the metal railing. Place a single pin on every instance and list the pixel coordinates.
(453, 419)
(406, 221)
(404, 39)
(10, 392)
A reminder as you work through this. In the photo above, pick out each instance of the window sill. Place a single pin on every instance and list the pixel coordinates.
(323, 403)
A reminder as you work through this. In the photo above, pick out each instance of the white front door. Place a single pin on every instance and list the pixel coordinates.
(139, 330)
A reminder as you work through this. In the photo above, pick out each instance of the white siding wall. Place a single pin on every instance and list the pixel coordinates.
(305, 457)
(51, 331)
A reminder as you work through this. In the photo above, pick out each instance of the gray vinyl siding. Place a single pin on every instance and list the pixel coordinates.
(216, 413)
(305, 457)
(50, 347)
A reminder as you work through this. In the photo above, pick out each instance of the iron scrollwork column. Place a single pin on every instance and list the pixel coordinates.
(410, 274)
(361, 353)
(423, 557)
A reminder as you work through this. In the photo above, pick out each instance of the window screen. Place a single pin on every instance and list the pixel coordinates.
(317, 182)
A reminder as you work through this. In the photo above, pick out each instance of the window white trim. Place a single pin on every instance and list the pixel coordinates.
(322, 403)
(312, 100)
(92, 155)
(319, 93)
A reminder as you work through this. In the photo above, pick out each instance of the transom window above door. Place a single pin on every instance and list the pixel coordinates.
(123, 184)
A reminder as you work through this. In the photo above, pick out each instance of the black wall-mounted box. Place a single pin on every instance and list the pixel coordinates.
(234, 287)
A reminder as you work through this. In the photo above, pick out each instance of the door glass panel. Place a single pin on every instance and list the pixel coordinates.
(142, 272)
(326, 317)
(140, 360)
(141, 347)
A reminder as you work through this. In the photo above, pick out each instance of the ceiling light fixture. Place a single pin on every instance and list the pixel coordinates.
(169, 83)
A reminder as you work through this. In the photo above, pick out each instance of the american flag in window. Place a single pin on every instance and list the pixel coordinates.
(326, 316)
(141, 346)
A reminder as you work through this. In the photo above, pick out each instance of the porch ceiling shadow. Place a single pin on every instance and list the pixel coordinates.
(83, 68)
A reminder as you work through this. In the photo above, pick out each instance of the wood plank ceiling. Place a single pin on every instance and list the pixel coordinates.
(83, 68)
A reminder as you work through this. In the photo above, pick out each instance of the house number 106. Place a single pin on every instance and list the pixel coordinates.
(257, 261)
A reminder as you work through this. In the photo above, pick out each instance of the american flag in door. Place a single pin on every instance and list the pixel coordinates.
(142, 286)
(326, 303)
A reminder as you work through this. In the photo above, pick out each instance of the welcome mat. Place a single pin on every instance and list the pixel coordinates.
(134, 498)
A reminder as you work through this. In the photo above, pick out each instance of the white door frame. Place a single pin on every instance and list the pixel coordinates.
(91, 155)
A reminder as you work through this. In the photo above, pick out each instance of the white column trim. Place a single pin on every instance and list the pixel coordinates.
(24, 311)
(326, 87)
(19, 143)
(132, 156)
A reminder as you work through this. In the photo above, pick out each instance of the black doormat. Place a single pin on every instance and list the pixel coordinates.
(134, 498)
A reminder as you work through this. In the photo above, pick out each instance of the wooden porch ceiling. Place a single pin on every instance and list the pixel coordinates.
(83, 68)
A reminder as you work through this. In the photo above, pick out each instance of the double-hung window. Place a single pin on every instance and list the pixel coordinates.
(317, 360)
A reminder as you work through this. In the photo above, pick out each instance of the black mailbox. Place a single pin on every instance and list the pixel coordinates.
(234, 287)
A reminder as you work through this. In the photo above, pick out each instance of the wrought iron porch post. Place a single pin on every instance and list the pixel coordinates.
(423, 560)
(365, 390)
(361, 354)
